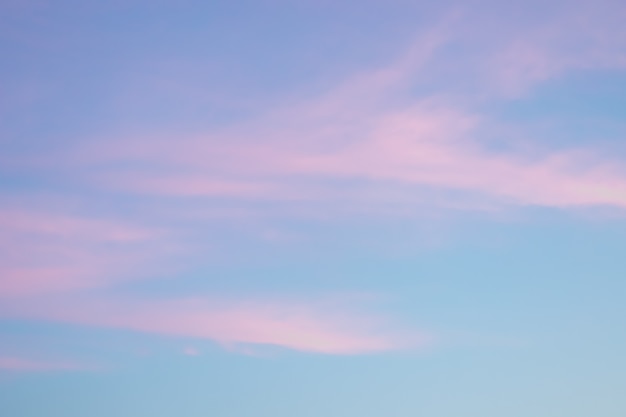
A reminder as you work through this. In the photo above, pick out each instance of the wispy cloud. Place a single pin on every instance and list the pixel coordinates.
(49, 257)
(44, 252)
(429, 143)
(371, 132)
(18, 364)
(317, 327)
(580, 38)
(383, 138)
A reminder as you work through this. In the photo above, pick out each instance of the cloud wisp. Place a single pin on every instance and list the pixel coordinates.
(47, 253)
(19, 364)
(55, 268)
(315, 327)
(427, 144)
(371, 130)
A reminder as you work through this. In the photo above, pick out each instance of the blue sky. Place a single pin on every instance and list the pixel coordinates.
(312, 208)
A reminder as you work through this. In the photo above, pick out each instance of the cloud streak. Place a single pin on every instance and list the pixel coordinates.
(45, 253)
(54, 265)
(581, 38)
(315, 327)
(427, 144)
(370, 132)
(18, 364)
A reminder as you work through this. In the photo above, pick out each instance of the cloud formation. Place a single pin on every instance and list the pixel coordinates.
(54, 264)
(394, 136)
(316, 327)
(371, 131)
(43, 252)
(17, 364)
(425, 144)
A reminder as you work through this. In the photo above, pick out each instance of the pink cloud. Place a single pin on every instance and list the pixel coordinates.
(191, 351)
(302, 326)
(61, 225)
(19, 282)
(17, 364)
(191, 185)
(44, 253)
(368, 133)
(430, 143)
(579, 39)
(433, 148)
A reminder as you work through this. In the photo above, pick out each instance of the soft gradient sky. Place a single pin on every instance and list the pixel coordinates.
(312, 208)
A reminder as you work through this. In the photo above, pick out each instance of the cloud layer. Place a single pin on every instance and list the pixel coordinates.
(414, 132)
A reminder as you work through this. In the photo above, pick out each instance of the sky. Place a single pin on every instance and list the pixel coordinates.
(312, 208)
